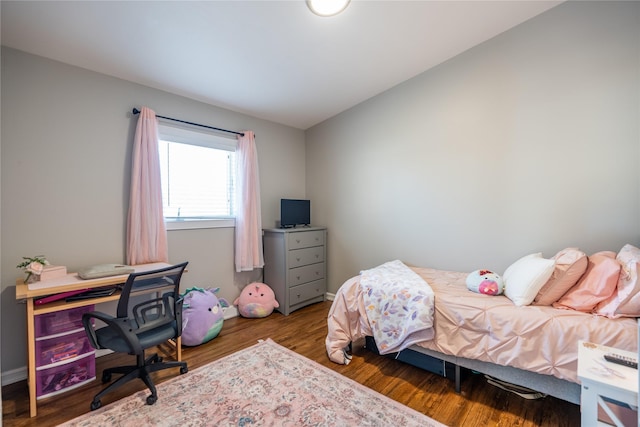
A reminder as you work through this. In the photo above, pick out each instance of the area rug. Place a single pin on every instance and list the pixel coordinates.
(263, 385)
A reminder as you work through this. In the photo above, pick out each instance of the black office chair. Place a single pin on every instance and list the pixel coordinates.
(135, 329)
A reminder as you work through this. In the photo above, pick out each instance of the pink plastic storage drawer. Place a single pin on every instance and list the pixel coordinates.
(60, 378)
(53, 350)
(60, 321)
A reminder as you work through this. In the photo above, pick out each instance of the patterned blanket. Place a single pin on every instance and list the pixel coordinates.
(399, 306)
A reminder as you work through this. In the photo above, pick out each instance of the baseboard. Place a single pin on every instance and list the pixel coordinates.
(230, 312)
(103, 352)
(14, 375)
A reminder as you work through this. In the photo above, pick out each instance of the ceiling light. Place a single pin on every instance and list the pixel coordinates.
(327, 7)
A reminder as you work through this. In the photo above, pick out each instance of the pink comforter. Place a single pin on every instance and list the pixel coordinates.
(540, 339)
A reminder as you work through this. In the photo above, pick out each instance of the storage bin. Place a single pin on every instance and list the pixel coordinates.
(420, 360)
(51, 381)
(60, 321)
(60, 348)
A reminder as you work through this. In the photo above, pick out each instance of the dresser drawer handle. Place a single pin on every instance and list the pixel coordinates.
(297, 241)
(298, 277)
(298, 259)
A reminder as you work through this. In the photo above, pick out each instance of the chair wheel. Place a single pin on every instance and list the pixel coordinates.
(106, 377)
(151, 399)
(184, 370)
(158, 359)
(95, 405)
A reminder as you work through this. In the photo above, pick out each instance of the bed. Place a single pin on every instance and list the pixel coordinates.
(535, 346)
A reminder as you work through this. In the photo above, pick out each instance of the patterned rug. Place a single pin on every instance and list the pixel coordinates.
(263, 385)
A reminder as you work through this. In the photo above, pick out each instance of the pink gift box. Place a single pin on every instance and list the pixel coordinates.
(53, 272)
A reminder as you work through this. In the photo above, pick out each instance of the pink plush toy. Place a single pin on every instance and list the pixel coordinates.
(256, 300)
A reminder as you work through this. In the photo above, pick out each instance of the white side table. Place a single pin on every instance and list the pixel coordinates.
(618, 382)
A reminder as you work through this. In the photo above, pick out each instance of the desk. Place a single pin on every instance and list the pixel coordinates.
(598, 383)
(70, 282)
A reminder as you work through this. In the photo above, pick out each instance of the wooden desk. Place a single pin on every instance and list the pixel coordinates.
(70, 282)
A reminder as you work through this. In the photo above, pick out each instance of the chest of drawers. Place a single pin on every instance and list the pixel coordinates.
(295, 266)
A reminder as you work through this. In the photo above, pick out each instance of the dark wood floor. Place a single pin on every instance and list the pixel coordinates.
(304, 331)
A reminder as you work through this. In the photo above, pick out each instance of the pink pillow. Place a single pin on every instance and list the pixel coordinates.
(571, 264)
(625, 301)
(596, 285)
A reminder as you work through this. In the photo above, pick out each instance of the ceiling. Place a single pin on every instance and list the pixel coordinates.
(270, 59)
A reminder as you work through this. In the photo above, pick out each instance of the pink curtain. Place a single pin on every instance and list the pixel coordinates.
(146, 233)
(248, 216)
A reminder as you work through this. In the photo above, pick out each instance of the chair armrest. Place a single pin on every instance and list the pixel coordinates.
(120, 325)
(88, 326)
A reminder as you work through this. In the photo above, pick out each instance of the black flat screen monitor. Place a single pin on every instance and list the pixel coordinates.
(294, 212)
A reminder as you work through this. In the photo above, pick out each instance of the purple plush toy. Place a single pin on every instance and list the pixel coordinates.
(202, 315)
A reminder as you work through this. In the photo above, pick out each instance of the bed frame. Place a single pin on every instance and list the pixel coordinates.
(424, 358)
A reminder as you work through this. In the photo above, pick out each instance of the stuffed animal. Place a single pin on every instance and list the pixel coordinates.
(485, 282)
(256, 300)
(202, 315)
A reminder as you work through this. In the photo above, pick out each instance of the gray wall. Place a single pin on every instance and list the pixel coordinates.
(66, 142)
(528, 142)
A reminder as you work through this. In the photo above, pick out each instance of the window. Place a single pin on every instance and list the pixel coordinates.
(198, 175)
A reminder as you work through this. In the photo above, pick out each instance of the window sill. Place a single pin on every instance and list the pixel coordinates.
(191, 224)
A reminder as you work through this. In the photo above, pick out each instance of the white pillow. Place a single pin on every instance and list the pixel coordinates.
(525, 277)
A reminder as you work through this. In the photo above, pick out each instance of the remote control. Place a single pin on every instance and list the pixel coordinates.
(621, 360)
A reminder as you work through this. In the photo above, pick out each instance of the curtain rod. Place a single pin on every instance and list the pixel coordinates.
(136, 111)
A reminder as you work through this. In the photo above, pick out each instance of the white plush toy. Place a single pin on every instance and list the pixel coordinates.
(485, 282)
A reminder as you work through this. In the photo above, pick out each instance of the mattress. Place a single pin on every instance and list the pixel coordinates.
(492, 329)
